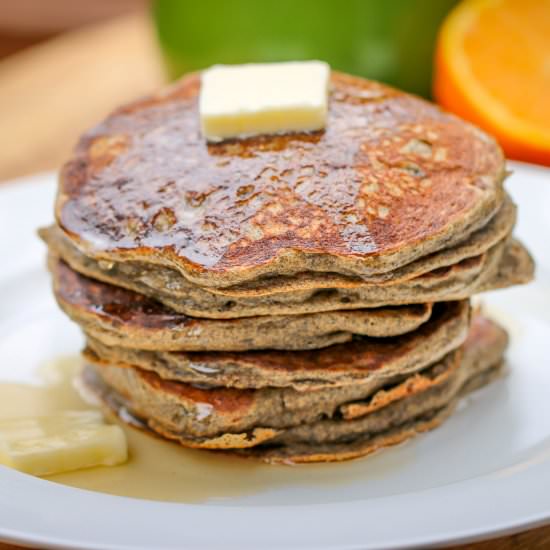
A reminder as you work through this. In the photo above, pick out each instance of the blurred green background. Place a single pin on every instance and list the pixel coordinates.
(387, 40)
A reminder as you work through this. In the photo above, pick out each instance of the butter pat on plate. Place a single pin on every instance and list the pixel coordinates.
(239, 101)
(61, 442)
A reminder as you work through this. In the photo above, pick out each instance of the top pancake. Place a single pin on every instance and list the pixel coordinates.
(391, 179)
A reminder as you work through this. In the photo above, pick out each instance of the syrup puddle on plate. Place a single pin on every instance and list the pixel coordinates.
(162, 470)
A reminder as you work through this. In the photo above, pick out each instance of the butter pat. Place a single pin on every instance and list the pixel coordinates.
(238, 101)
(60, 442)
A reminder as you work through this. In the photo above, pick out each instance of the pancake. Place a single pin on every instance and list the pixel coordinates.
(392, 179)
(422, 410)
(497, 230)
(159, 277)
(291, 298)
(455, 282)
(189, 299)
(369, 443)
(205, 413)
(442, 383)
(338, 365)
(329, 436)
(121, 317)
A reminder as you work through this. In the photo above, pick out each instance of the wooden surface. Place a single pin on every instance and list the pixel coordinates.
(50, 93)
(536, 539)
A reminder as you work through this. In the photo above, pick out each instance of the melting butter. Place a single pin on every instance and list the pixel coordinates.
(263, 98)
(165, 471)
(65, 441)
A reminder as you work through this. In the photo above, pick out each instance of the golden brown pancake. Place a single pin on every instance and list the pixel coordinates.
(454, 282)
(453, 273)
(497, 230)
(292, 298)
(307, 426)
(408, 414)
(390, 180)
(338, 365)
(121, 317)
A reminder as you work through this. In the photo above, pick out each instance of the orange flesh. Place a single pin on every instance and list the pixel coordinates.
(493, 68)
(500, 40)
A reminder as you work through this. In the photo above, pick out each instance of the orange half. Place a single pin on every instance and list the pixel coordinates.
(493, 68)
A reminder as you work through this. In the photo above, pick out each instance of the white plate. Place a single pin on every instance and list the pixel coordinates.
(485, 471)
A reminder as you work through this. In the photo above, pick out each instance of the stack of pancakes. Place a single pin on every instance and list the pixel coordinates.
(295, 298)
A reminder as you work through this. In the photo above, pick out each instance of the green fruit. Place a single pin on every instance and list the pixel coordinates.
(387, 40)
